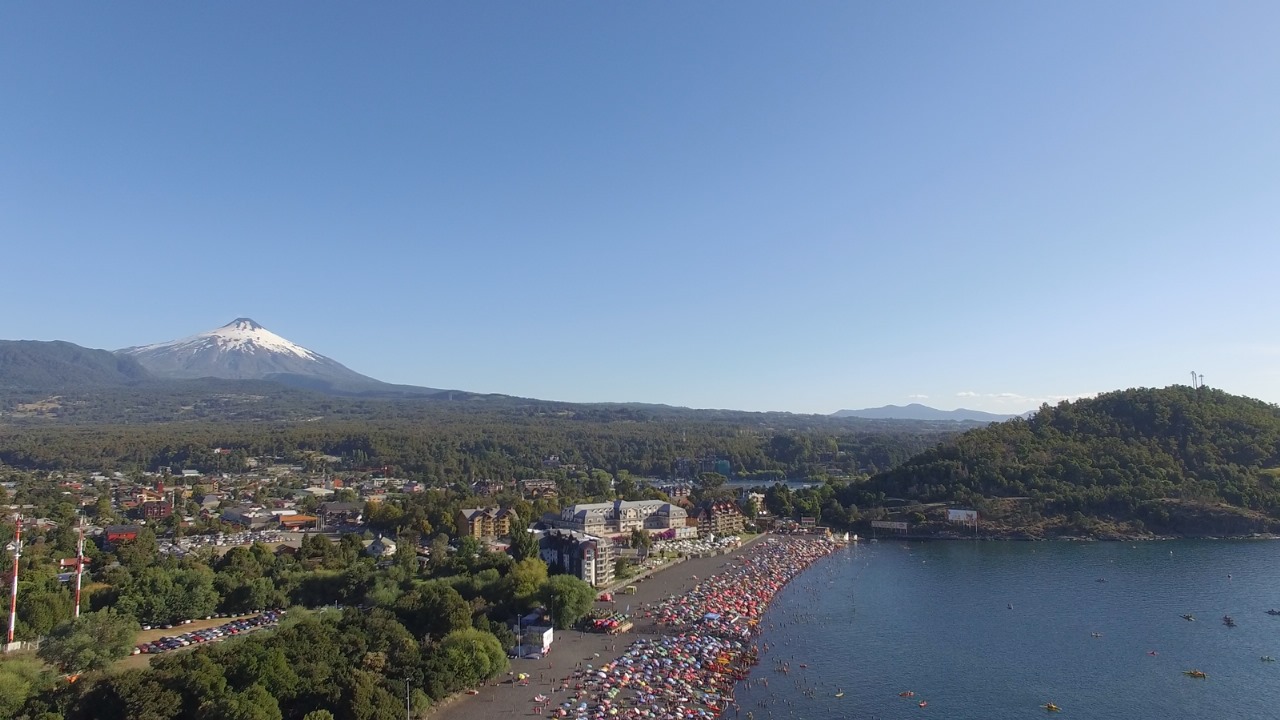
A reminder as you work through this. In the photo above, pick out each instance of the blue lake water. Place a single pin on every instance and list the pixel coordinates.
(881, 618)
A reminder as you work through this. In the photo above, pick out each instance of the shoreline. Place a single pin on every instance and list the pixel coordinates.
(1070, 538)
(673, 644)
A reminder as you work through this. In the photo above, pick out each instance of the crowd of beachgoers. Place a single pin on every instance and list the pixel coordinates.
(705, 644)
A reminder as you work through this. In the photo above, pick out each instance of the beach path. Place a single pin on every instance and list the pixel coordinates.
(508, 699)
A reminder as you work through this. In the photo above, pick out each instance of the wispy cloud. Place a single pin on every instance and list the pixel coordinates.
(967, 393)
(917, 397)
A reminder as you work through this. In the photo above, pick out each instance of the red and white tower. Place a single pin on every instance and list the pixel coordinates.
(13, 591)
(79, 566)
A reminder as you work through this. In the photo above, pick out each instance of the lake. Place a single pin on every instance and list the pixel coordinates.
(995, 630)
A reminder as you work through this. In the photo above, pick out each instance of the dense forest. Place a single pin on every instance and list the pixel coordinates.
(463, 448)
(433, 630)
(1176, 460)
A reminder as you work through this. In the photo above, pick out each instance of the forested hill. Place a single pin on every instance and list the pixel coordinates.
(1178, 460)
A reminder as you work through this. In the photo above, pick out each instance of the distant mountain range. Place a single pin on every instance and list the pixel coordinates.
(916, 411)
(244, 371)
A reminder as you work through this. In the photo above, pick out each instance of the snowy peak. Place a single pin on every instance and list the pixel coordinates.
(240, 350)
(242, 324)
(239, 335)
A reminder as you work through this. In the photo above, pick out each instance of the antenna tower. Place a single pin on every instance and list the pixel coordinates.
(79, 566)
(13, 594)
(1194, 384)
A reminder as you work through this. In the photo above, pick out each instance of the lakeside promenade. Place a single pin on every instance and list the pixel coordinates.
(692, 640)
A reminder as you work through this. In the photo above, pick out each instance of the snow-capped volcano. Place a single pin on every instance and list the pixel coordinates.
(242, 350)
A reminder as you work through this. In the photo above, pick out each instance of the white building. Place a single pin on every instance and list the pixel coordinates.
(622, 516)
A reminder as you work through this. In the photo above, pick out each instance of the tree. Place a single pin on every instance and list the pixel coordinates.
(255, 703)
(139, 552)
(19, 678)
(567, 599)
(41, 606)
(469, 548)
(157, 595)
(474, 655)
(640, 539)
(434, 609)
(90, 642)
(102, 512)
(711, 480)
(438, 555)
(524, 544)
(318, 715)
(524, 579)
(132, 695)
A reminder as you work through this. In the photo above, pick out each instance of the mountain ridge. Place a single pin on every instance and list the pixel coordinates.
(57, 365)
(916, 411)
(1126, 462)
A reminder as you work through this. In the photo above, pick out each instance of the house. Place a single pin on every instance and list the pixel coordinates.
(484, 523)
(252, 518)
(156, 509)
(381, 548)
(114, 534)
(720, 518)
(675, 490)
(747, 496)
(146, 495)
(294, 523)
(485, 488)
(622, 516)
(340, 513)
(538, 487)
(584, 556)
(210, 501)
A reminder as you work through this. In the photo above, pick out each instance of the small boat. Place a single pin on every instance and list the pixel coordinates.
(1095, 634)
(1152, 653)
(1189, 617)
(1268, 658)
(1273, 611)
(1051, 707)
(923, 703)
(906, 693)
(1228, 621)
(840, 694)
(1195, 674)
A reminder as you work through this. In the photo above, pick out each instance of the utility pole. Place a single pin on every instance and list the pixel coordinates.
(406, 700)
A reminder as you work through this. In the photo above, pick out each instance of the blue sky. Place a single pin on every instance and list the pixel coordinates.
(765, 206)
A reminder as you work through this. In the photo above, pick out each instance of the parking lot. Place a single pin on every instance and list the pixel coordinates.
(153, 643)
(222, 542)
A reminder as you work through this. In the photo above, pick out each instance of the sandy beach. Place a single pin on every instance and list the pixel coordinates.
(571, 648)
